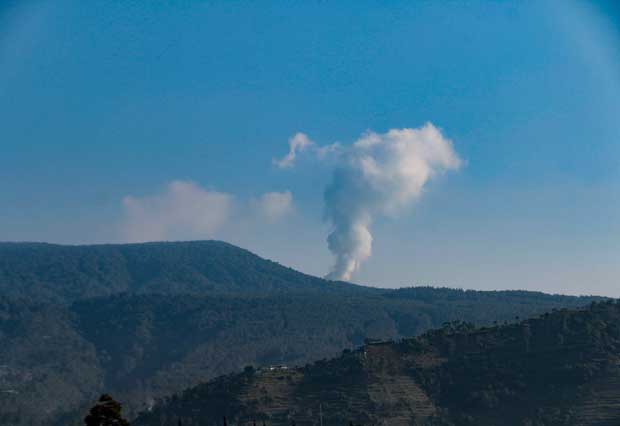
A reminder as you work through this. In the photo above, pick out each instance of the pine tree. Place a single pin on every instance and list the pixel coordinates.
(106, 412)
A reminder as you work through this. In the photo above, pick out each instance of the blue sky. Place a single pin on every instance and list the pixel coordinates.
(105, 102)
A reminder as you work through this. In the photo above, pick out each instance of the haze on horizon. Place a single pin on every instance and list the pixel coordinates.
(470, 145)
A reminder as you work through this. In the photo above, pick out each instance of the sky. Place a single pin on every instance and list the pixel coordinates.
(465, 144)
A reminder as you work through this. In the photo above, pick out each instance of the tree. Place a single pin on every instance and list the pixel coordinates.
(106, 412)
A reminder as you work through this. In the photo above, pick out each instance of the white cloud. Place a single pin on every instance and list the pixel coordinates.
(186, 211)
(273, 206)
(328, 150)
(183, 210)
(298, 143)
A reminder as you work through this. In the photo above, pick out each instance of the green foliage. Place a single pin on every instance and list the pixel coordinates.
(143, 321)
(516, 374)
(48, 272)
(107, 412)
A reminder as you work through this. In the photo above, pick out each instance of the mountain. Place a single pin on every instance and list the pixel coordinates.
(62, 274)
(561, 368)
(144, 321)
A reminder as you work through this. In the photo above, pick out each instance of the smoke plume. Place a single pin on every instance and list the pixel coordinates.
(380, 174)
(298, 143)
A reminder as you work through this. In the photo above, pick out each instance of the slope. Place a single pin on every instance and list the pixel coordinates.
(57, 273)
(561, 368)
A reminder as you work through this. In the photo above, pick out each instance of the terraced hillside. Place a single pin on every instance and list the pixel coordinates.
(562, 368)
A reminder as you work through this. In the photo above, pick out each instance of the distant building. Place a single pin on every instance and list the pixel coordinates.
(277, 367)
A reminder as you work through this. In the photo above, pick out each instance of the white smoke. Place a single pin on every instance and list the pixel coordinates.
(379, 175)
(298, 143)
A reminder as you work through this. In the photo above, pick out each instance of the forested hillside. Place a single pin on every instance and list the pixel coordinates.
(561, 368)
(145, 321)
(49, 272)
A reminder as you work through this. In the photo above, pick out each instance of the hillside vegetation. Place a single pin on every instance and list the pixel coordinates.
(561, 368)
(50, 272)
(145, 321)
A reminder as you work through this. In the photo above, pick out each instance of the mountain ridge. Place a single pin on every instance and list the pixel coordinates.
(146, 320)
(197, 267)
(14, 254)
